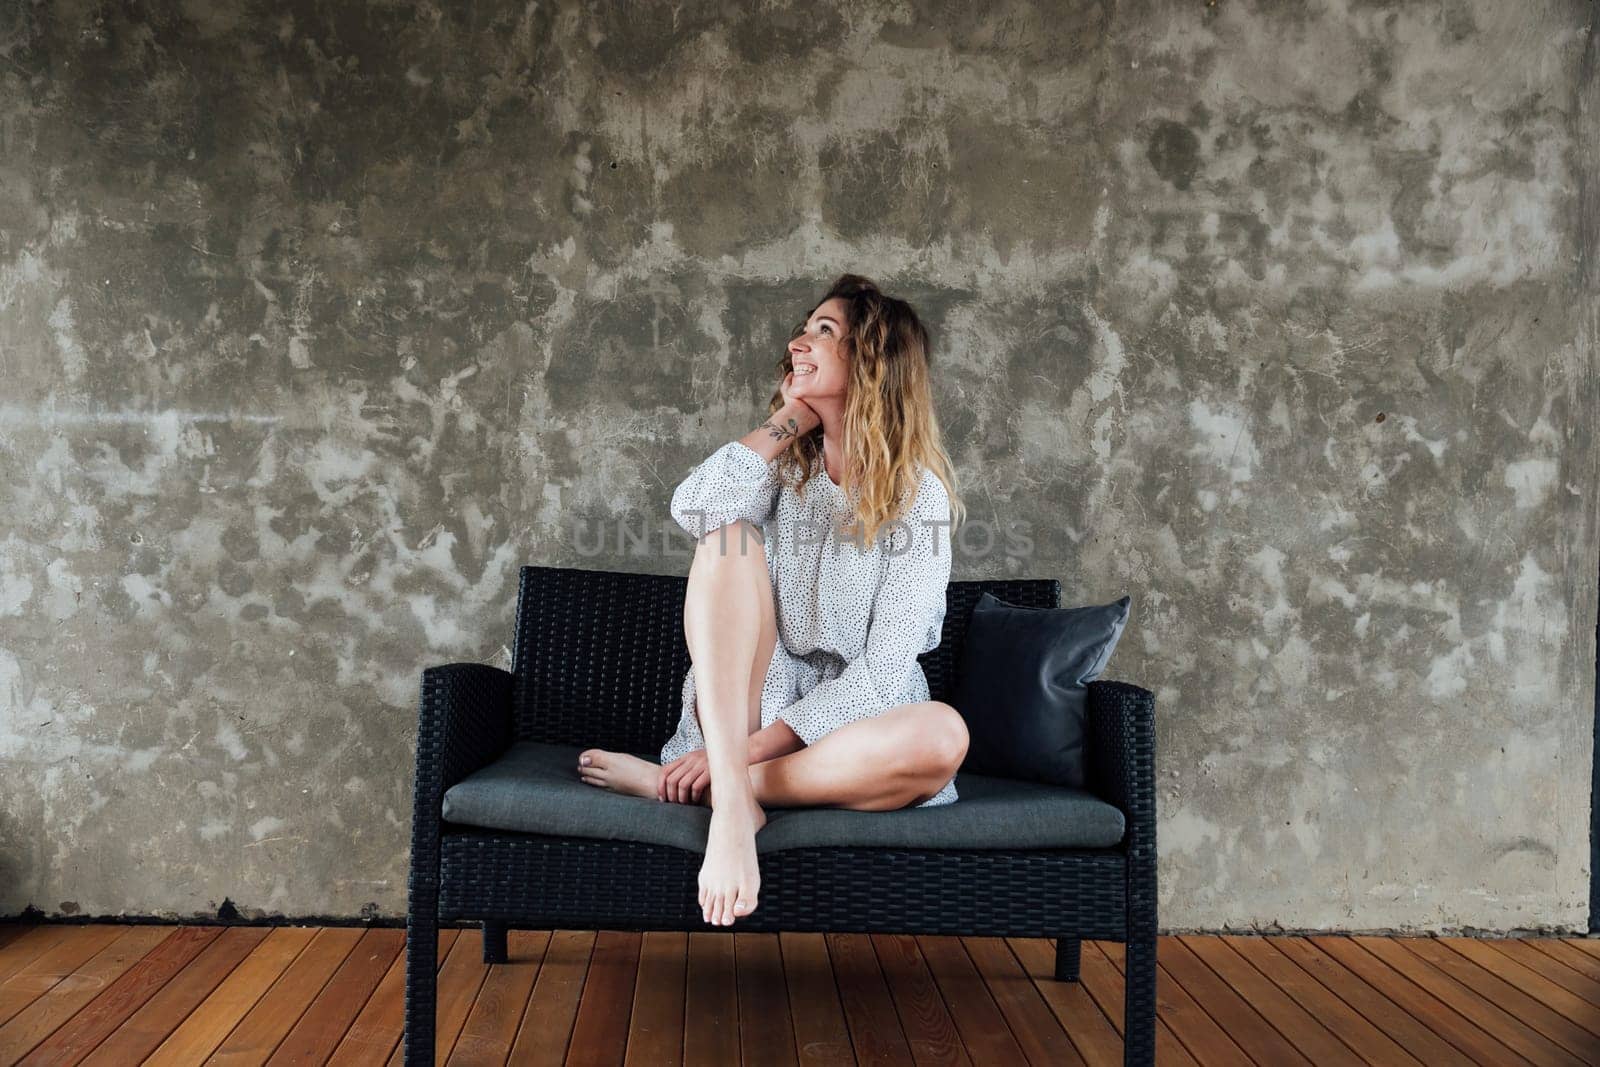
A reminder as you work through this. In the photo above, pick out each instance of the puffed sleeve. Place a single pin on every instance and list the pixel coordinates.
(734, 482)
(907, 620)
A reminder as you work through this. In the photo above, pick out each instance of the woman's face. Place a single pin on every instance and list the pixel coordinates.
(818, 353)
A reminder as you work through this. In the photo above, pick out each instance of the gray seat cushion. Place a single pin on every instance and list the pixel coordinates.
(535, 788)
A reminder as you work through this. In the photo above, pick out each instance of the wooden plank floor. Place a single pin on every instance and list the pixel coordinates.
(124, 994)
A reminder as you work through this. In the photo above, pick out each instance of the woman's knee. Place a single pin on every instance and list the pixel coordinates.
(933, 741)
(947, 737)
(738, 540)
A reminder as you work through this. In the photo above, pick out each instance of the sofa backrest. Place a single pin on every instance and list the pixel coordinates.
(599, 656)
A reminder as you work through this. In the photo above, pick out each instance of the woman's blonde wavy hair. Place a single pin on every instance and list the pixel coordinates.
(891, 432)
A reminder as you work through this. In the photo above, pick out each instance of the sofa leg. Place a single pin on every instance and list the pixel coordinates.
(494, 943)
(1139, 1003)
(1068, 950)
(422, 989)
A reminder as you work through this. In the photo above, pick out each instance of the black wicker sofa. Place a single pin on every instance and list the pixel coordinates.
(598, 661)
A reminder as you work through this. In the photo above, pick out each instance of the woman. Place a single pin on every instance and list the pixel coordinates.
(839, 507)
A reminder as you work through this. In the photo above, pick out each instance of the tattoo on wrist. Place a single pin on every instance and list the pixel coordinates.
(773, 430)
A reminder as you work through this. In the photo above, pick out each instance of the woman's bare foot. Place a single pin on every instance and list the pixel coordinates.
(729, 877)
(620, 772)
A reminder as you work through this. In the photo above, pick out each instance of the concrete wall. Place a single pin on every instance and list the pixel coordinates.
(317, 321)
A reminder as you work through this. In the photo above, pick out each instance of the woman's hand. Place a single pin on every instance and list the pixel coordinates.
(803, 413)
(684, 780)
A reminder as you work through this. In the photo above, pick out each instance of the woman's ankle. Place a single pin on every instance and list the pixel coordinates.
(714, 797)
(758, 781)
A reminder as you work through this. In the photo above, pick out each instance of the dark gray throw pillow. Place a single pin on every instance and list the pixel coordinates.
(1023, 686)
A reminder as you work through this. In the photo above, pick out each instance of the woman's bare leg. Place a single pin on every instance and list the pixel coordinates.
(722, 625)
(766, 637)
(903, 756)
(623, 772)
(898, 758)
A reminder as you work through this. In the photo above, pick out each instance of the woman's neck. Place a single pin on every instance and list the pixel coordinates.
(832, 414)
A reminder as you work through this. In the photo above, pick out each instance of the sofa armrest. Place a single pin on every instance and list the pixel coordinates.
(1121, 767)
(463, 724)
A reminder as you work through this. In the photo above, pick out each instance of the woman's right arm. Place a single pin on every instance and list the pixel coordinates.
(794, 419)
(739, 480)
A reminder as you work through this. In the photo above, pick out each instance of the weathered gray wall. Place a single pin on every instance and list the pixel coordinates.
(318, 322)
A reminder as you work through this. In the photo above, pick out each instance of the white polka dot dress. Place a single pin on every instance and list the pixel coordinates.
(851, 619)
